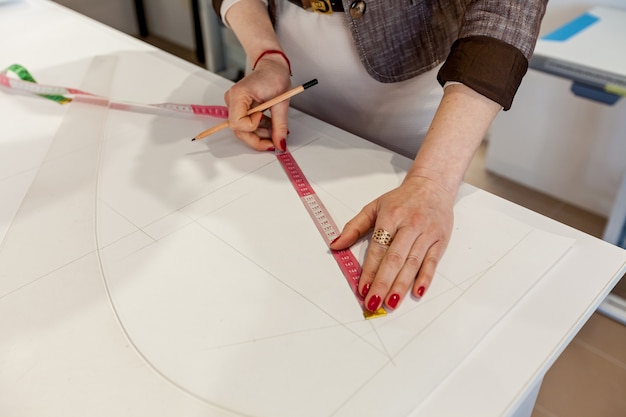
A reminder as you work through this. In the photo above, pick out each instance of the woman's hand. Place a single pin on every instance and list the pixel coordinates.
(418, 215)
(250, 21)
(269, 79)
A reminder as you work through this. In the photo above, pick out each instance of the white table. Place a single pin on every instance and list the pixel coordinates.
(583, 51)
(145, 274)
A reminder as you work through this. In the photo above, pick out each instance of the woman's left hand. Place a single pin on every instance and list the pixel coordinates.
(418, 217)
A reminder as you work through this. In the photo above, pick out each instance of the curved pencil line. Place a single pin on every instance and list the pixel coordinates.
(116, 314)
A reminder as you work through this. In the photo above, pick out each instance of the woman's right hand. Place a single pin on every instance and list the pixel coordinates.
(270, 78)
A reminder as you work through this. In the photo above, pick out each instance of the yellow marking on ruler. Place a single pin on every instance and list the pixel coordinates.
(372, 315)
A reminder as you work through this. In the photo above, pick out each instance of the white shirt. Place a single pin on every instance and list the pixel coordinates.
(395, 115)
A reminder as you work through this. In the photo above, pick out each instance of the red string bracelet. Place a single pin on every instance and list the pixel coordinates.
(273, 51)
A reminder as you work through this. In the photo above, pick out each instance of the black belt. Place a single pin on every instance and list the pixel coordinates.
(320, 6)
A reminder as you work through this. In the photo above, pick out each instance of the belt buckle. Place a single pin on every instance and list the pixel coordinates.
(322, 6)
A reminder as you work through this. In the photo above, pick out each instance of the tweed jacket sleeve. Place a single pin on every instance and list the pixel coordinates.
(495, 43)
(486, 44)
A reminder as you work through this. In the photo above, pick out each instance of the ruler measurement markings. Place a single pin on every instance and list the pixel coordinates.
(348, 264)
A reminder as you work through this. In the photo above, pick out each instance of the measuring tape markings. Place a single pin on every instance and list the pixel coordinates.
(346, 260)
(26, 83)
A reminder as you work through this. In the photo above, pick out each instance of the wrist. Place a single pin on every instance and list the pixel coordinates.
(447, 182)
(272, 53)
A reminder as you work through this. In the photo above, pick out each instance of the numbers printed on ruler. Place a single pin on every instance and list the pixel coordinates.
(352, 268)
(63, 95)
(346, 260)
(329, 230)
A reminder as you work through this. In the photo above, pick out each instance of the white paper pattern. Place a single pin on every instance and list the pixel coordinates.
(222, 283)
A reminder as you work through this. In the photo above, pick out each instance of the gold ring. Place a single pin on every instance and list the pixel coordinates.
(382, 236)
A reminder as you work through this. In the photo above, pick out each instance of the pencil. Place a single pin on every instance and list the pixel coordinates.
(260, 107)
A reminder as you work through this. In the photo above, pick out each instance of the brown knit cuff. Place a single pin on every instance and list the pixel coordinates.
(488, 66)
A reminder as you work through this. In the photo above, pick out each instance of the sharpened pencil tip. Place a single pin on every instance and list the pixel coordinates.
(193, 139)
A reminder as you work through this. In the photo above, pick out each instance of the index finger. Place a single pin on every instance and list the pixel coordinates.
(279, 124)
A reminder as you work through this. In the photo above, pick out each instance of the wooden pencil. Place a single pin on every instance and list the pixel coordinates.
(259, 108)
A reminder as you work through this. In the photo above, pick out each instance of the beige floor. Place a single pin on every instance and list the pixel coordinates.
(589, 378)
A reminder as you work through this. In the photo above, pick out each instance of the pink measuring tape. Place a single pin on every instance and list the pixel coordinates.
(26, 83)
(346, 260)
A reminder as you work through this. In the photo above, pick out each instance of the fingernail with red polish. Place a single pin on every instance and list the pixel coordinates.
(374, 302)
(420, 291)
(283, 145)
(335, 239)
(366, 289)
(272, 149)
(393, 301)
